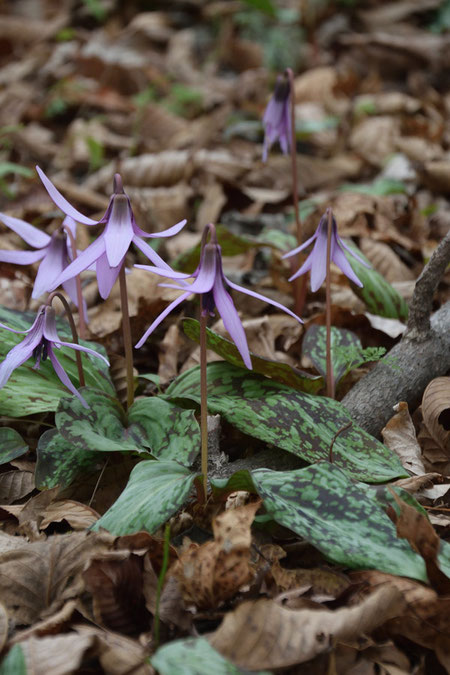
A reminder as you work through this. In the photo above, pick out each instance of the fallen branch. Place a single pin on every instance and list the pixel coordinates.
(422, 354)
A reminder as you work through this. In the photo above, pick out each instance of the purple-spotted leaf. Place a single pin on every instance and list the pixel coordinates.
(281, 372)
(11, 445)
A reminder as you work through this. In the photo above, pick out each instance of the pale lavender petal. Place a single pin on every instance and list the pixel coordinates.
(304, 268)
(33, 327)
(22, 257)
(341, 261)
(70, 224)
(29, 233)
(300, 248)
(161, 317)
(106, 275)
(61, 373)
(21, 352)
(118, 233)
(170, 274)
(318, 265)
(51, 266)
(150, 253)
(341, 243)
(241, 289)
(82, 262)
(61, 202)
(206, 272)
(165, 233)
(231, 320)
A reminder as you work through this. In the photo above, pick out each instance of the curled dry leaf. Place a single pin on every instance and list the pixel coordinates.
(374, 138)
(78, 515)
(150, 170)
(385, 261)
(322, 582)
(263, 634)
(52, 625)
(400, 436)
(215, 571)
(14, 485)
(436, 411)
(60, 655)
(118, 654)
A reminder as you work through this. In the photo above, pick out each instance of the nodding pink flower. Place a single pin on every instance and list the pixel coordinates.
(108, 251)
(317, 259)
(54, 251)
(40, 341)
(211, 284)
(277, 118)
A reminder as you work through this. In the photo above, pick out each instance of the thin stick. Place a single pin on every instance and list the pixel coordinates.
(330, 378)
(203, 399)
(298, 223)
(126, 331)
(57, 294)
(98, 481)
(81, 319)
(333, 440)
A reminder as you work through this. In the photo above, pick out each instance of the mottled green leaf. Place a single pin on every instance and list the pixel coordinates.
(154, 492)
(346, 520)
(11, 445)
(381, 187)
(14, 662)
(60, 462)
(98, 428)
(193, 656)
(240, 480)
(168, 431)
(281, 372)
(289, 419)
(377, 293)
(345, 348)
(30, 391)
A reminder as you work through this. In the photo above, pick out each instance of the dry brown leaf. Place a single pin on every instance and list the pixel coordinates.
(168, 355)
(118, 655)
(60, 655)
(32, 513)
(326, 582)
(321, 85)
(78, 515)
(385, 261)
(54, 624)
(400, 437)
(3, 626)
(160, 207)
(374, 138)
(436, 175)
(214, 200)
(215, 571)
(36, 578)
(263, 634)
(15, 484)
(436, 411)
(118, 372)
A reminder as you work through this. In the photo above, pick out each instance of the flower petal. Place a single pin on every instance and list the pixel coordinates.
(51, 266)
(61, 202)
(34, 326)
(61, 373)
(300, 248)
(70, 286)
(341, 261)
(118, 233)
(164, 233)
(304, 268)
(82, 262)
(21, 352)
(171, 274)
(22, 257)
(231, 320)
(150, 253)
(106, 275)
(342, 243)
(318, 264)
(29, 233)
(161, 317)
(241, 289)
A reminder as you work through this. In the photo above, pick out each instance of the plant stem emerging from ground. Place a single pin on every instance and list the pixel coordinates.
(162, 576)
(73, 328)
(330, 378)
(81, 321)
(203, 398)
(128, 349)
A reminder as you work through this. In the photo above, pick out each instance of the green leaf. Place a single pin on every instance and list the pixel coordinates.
(168, 431)
(344, 519)
(11, 445)
(231, 244)
(60, 462)
(281, 372)
(98, 428)
(240, 480)
(14, 662)
(289, 419)
(193, 656)
(265, 6)
(377, 293)
(30, 391)
(345, 350)
(381, 187)
(154, 492)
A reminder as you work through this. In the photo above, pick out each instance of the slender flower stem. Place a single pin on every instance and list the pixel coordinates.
(330, 377)
(126, 330)
(57, 294)
(161, 579)
(81, 320)
(203, 399)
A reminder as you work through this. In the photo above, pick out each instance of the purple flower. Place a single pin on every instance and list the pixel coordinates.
(108, 251)
(277, 118)
(54, 251)
(210, 283)
(40, 341)
(317, 259)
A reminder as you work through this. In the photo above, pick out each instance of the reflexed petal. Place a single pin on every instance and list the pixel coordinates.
(341, 243)
(29, 233)
(51, 333)
(161, 317)
(304, 268)
(206, 273)
(118, 233)
(34, 327)
(300, 248)
(241, 289)
(106, 275)
(82, 262)
(61, 202)
(61, 373)
(231, 320)
(150, 253)
(318, 265)
(170, 274)
(51, 266)
(341, 261)
(165, 233)
(22, 257)
(21, 352)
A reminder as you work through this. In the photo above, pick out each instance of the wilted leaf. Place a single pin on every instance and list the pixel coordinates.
(322, 581)
(78, 515)
(14, 485)
(263, 634)
(11, 445)
(400, 436)
(118, 654)
(436, 411)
